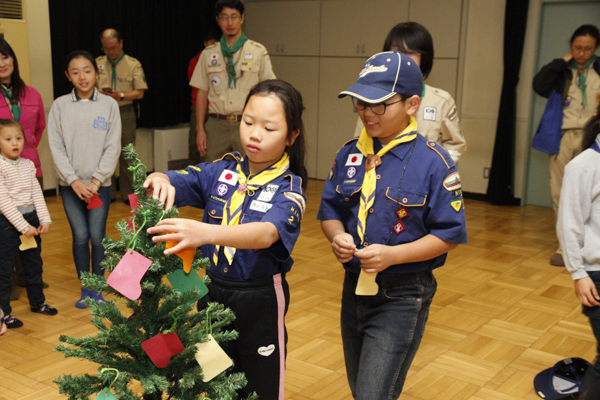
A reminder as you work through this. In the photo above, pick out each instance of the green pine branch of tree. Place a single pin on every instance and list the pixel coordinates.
(160, 307)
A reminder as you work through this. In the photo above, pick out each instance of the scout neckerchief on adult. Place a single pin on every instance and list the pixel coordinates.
(15, 108)
(228, 55)
(233, 208)
(367, 193)
(113, 82)
(582, 74)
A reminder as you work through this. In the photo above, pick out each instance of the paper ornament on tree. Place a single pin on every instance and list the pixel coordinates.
(27, 243)
(183, 282)
(133, 201)
(94, 202)
(128, 273)
(212, 358)
(186, 255)
(105, 394)
(162, 347)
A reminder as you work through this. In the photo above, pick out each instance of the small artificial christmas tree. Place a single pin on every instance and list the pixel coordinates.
(160, 325)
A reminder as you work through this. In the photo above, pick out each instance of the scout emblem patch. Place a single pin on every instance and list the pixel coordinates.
(452, 182)
(456, 204)
(429, 113)
(215, 81)
(351, 172)
(298, 199)
(222, 190)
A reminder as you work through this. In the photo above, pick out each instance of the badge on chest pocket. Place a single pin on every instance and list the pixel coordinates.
(429, 113)
(267, 193)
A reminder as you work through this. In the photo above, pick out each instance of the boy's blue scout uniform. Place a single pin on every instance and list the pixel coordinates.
(209, 185)
(418, 192)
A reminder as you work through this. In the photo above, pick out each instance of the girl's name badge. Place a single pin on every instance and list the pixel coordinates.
(366, 285)
(27, 243)
(212, 358)
(260, 206)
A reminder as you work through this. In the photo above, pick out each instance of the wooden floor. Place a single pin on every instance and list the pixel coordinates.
(501, 314)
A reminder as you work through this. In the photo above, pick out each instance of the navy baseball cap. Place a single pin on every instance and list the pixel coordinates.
(384, 76)
(561, 381)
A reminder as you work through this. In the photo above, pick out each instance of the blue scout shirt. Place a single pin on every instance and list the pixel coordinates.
(418, 193)
(209, 185)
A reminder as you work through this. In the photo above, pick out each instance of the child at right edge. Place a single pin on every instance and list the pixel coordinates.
(392, 208)
(578, 228)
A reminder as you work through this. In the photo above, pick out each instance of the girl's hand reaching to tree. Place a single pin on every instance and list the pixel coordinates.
(188, 233)
(161, 188)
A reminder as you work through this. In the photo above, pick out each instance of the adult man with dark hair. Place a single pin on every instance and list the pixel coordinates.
(122, 78)
(224, 75)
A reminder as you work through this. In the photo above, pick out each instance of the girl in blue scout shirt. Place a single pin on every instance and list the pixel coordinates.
(392, 209)
(84, 132)
(578, 229)
(253, 204)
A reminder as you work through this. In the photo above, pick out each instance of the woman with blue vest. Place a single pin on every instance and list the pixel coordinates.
(576, 76)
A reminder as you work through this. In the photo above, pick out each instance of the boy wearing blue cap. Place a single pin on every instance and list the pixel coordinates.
(392, 209)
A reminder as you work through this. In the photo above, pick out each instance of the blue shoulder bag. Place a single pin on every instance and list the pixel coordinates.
(548, 133)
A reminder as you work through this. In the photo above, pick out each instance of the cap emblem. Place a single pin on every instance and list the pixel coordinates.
(371, 68)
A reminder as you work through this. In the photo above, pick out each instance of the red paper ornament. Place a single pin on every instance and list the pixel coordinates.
(162, 347)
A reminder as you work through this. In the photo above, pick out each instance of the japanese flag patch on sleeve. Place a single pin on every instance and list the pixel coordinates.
(354, 159)
(229, 177)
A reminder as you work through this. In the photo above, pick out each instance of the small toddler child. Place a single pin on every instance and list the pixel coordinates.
(21, 201)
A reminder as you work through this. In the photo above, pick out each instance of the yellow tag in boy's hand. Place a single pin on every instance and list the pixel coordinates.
(366, 285)
(212, 358)
(27, 243)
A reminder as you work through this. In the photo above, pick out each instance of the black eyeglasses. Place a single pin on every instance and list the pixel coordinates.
(378, 108)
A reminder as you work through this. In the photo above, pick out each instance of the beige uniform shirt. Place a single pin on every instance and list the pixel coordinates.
(130, 76)
(437, 120)
(252, 65)
(574, 116)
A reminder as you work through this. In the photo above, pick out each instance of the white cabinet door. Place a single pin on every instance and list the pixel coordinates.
(337, 119)
(303, 74)
(289, 27)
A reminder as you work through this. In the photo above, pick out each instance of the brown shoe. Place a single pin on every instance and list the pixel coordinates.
(557, 260)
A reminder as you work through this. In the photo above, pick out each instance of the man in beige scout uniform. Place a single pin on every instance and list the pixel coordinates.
(576, 77)
(224, 75)
(122, 78)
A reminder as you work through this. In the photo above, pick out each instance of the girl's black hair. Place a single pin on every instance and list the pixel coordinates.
(18, 86)
(80, 54)
(591, 130)
(586, 30)
(412, 36)
(293, 107)
(6, 123)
